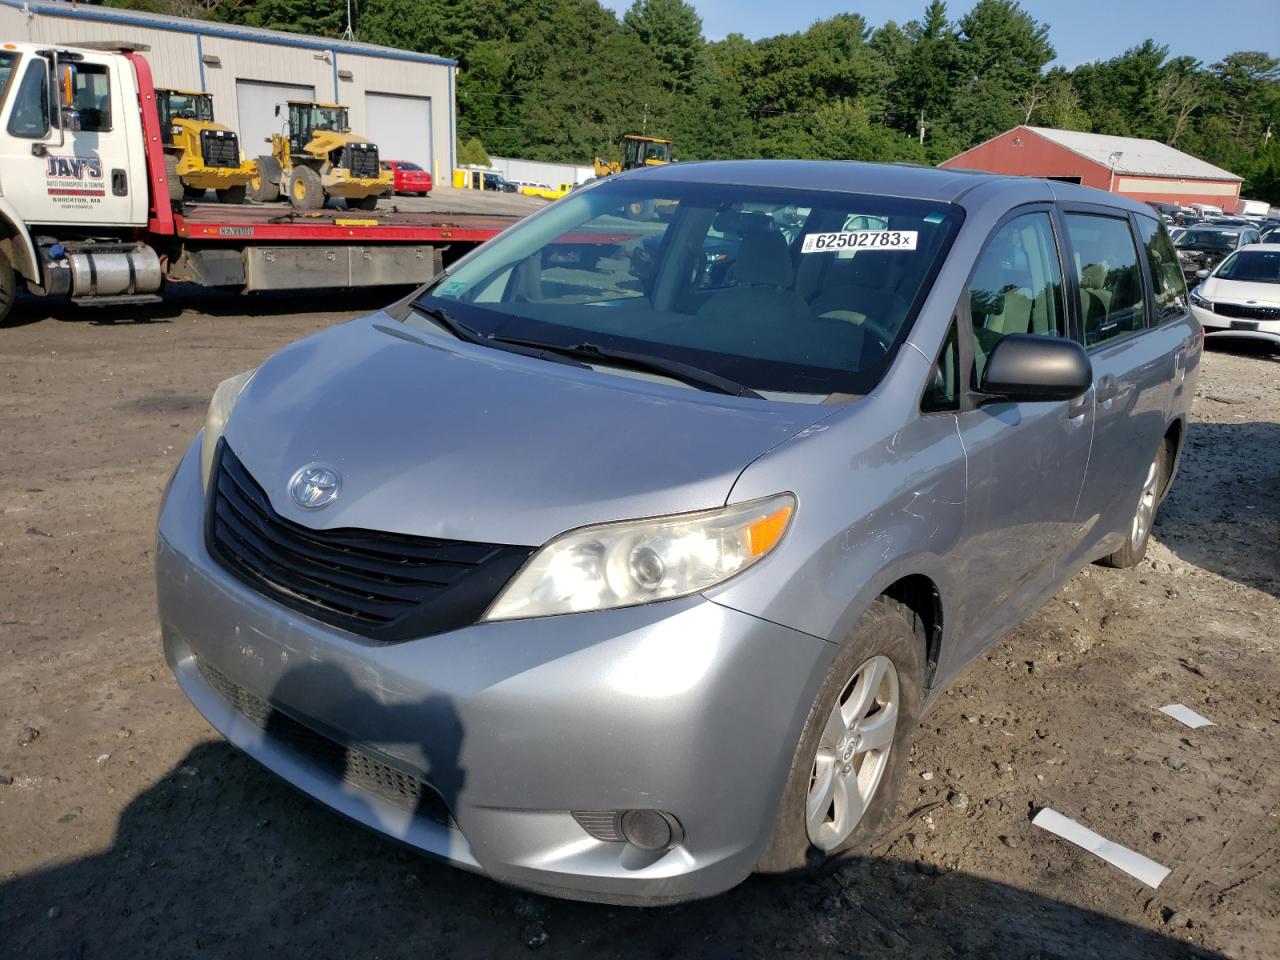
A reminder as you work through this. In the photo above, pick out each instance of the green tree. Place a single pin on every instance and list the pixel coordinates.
(323, 18)
(672, 31)
(472, 153)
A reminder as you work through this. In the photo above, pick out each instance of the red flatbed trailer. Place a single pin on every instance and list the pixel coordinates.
(209, 221)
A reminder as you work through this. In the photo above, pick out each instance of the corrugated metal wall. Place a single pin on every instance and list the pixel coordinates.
(176, 61)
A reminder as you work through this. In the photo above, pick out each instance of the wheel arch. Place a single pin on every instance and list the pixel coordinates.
(919, 594)
(15, 241)
(1175, 435)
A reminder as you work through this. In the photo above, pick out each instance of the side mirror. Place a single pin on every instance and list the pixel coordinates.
(66, 85)
(1024, 367)
(1202, 274)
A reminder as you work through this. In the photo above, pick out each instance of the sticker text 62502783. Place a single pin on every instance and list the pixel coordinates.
(859, 240)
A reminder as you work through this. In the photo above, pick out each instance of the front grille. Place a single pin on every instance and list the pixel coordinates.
(384, 586)
(362, 160)
(362, 771)
(1242, 312)
(219, 148)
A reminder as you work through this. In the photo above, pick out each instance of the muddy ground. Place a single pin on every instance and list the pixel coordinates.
(129, 829)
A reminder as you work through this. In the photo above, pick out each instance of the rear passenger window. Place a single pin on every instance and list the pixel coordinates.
(1016, 287)
(1106, 262)
(91, 100)
(1166, 272)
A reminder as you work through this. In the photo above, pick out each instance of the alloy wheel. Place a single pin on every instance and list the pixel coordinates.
(853, 753)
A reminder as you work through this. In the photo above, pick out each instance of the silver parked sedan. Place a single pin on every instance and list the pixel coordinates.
(623, 558)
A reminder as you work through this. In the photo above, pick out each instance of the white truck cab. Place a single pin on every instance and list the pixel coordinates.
(76, 156)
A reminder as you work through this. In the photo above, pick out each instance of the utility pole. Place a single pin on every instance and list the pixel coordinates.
(922, 125)
(349, 33)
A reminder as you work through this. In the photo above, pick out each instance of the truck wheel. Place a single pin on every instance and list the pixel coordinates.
(855, 745)
(306, 191)
(192, 193)
(363, 203)
(8, 287)
(264, 186)
(232, 194)
(176, 190)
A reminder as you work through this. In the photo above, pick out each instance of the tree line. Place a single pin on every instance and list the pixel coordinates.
(562, 79)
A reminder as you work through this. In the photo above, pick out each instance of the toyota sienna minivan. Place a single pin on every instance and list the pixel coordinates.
(622, 559)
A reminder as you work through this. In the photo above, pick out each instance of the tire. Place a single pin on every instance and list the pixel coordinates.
(887, 636)
(176, 189)
(306, 190)
(8, 288)
(192, 193)
(232, 194)
(264, 187)
(363, 203)
(1144, 518)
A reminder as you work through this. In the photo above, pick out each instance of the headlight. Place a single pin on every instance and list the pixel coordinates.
(1200, 301)
(220, 407)
(639, 561)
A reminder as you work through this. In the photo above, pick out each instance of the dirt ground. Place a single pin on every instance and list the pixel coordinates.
(129, 829)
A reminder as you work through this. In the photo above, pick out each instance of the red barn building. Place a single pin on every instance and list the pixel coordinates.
(1140, 169)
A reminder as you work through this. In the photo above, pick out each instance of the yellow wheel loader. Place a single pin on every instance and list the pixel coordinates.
(638, 150)
(319, 157)
(199, 154)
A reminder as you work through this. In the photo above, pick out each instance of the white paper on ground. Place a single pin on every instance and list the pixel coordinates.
(1131, 862)
(1185, 714)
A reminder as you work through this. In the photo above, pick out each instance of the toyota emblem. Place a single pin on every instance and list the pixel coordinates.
(315, 486)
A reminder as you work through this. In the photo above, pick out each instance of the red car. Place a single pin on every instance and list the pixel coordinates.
(410, 178)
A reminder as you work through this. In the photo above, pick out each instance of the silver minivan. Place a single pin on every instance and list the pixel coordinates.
(623, 558)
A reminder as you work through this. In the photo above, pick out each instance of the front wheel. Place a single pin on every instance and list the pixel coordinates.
(232, 194)
(363, 203)
(853, 752)
(1138, 533)
(8, 287)
(306, 190)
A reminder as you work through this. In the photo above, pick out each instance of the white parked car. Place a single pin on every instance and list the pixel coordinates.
(1241, 297)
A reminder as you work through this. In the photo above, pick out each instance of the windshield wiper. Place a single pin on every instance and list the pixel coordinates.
(451, 323)
(686, 373)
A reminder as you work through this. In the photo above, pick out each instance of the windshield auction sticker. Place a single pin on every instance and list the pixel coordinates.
(860, 240)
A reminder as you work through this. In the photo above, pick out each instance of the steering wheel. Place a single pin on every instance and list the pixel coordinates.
(882, 334)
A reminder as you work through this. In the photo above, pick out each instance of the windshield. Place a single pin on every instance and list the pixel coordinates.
(1255, 266)
(7, 62)
(783, 291)
(328, 118)
(190, 106)
(1220, 240)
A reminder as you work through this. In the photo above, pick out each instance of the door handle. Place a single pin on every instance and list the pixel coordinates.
(119, 183)
(1108, 388)
(1079, 406)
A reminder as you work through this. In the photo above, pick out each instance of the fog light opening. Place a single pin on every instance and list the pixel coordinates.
(651, 830)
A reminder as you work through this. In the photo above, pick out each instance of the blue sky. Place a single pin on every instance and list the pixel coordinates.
(1081, 30)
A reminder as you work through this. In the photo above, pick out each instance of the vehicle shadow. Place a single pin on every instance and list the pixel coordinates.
(221, 859)
(1222, 513)
(181, 298)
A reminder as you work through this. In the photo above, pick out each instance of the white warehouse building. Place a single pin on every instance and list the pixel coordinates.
(402, 101)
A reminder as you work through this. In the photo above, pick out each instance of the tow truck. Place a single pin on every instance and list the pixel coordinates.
(86, 213)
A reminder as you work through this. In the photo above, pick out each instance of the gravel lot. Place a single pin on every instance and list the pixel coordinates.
(129, 829)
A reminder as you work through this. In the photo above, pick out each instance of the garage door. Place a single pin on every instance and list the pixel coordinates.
(400, 126)
(256, 103)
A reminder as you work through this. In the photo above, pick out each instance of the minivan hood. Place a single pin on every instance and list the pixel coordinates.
(440, 438)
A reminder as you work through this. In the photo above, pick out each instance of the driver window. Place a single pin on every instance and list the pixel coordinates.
(91, 98)
(1016, 287)
(30, 117)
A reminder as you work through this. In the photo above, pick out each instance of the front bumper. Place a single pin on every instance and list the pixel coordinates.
(1219, 327)
(684, 706)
